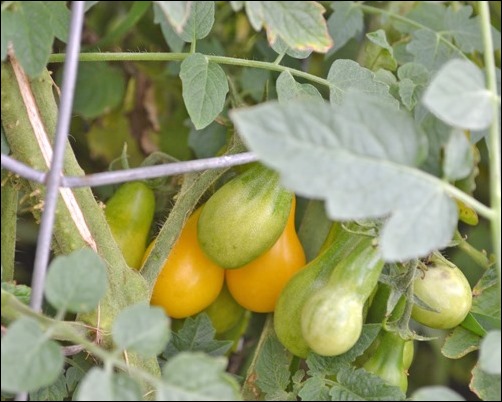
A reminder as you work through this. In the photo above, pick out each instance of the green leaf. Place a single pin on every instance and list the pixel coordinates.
(348, 74)
(7, 28)
(60, 18)
(359, 385)
(204, 89)
(458, 157)
(99, 89)
(314, 389)
(459, 343)
(485, 386)
(486, 296)
(31, 35)
(197, 377)
(197, 334)
(299, 24)
(272, 369)
(327, 366)
(22, 292)
(281, 47)
(436, 393)
(142, 329)
(173, 40)
(458, 96)
(208, 141)
(360, 159)
(429, 50)
(29, 359)
(76, 282)
(489, 354)
(200, 21)
(288, 89)
(379, 38)
(412, 80)
(346, 22)
(54, 392)
(102, 385)
(175, 12)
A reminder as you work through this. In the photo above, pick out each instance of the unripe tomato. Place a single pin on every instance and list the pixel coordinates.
(129, 213)
(257, 285)
(189, 281)
(224, 312)
(446, 290)
(244, 218)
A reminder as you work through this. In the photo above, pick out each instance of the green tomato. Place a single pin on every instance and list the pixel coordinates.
(446, 290)
(244, 218)
(129, 213)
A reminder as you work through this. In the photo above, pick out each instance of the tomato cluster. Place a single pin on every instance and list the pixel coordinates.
(240, 251)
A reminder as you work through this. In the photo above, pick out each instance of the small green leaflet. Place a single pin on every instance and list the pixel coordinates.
(142, 329)
(174, 42)
(204, 89)
(288, 89)
(485, 386)
(30, 360)
(197, 377)
(346, 22)
(457, 95)
(197, 334)
(300, 24)
(200, 21)
(76, 282)
(101, 385)
(360, 158)
(459, 343)
(348, 74)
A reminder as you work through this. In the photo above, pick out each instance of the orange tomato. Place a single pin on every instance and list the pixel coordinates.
(189, 281)
(257, 285)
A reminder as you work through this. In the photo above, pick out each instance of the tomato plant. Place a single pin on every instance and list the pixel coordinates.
(246, 131)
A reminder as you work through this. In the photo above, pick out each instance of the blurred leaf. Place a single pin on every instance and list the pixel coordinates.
(5, 144)
(60, 18)
(22, 292)
(197, 377)
(272, 369)
(253, 82)
(458, 157)
(208, 141)
(7, 26)
(359, 385)
(489, 354)
(436, 393)
(76, 282)
(348, 74)
(314, 389)
(459, 343)
(412, 80)
(99, 89)
(485, 386)
(425, 44)
(314, 228)
(359, 158)
(54, 392)
(457, 95)
(288, 89)
(237, 5)
(175, 12)
(200, 21)
(197, 334)
(30, 360)
(379, 38)
(327, 366)
(102, 385)
(204, 89)
(107, 136)
(174, 42)
(281, 47)
(142, 329)
(299, 24)
(486, 300)
(90, 4)
(346, 22)
(30, 33)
